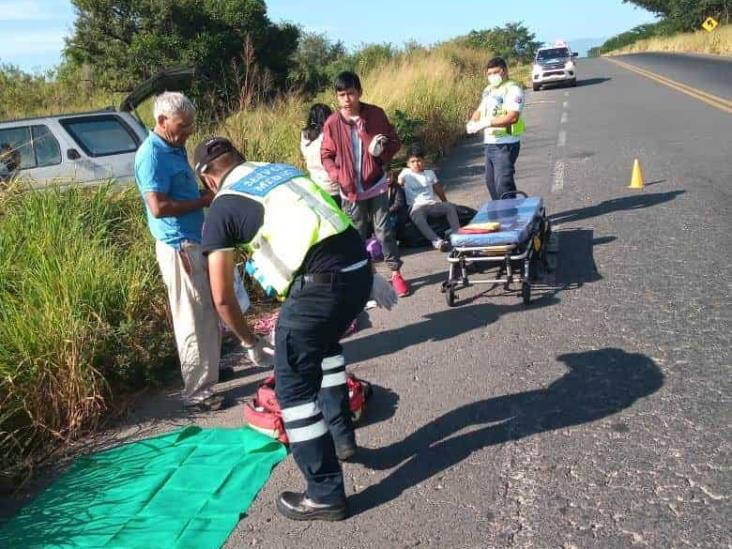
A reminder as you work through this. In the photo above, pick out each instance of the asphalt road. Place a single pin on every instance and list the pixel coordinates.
(599, 415)
(712, 74)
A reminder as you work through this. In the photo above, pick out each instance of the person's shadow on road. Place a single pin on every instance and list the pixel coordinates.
(599, 383)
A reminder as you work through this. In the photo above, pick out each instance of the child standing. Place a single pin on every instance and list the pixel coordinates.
(358, 142)
(421, 186)
(310, 140)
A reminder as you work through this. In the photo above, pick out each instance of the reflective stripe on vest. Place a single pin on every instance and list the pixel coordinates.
(297, 215)
(515, 129)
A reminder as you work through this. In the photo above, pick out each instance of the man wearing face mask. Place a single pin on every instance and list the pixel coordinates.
(499, 115)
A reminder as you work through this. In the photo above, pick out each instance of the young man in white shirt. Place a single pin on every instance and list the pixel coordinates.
(422, 190)
(499, 113)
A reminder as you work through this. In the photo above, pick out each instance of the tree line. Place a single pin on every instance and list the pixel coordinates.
(239, 54)
(675, 16)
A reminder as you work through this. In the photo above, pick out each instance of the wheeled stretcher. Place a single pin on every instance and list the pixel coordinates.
(516, 248)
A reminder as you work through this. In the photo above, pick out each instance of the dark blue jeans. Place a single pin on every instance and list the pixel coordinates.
(499, 169)
(310, 375)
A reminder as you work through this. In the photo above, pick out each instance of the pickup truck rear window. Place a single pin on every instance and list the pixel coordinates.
(101, 135)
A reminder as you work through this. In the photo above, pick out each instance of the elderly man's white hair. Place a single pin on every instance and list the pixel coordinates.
(171, 104)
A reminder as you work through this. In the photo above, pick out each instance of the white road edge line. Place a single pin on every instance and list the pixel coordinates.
(565, 104)
(562, 139)
(563, 120)
(558, 183)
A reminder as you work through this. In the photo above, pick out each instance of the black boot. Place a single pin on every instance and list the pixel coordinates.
(297, 506)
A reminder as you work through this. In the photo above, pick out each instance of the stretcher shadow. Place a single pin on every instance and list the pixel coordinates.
(599, 383)
(437, 326)
(625, 203)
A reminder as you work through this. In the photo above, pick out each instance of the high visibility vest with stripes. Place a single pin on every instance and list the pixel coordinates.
(297, 215)
(517, 128)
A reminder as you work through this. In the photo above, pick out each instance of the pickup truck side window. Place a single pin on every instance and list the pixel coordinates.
(101, 135)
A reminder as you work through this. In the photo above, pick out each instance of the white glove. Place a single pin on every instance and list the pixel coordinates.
(377, 145)
(475, 126)
(261, 354)
(383, 293)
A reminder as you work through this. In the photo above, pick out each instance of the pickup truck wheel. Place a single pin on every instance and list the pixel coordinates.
(536, 87)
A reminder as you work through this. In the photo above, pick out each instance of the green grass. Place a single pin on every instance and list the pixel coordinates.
(83, 313)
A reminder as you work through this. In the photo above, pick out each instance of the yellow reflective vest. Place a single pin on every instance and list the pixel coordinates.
(497, 107)
(297, 215)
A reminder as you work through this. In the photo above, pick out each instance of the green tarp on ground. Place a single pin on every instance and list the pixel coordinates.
(188, 488)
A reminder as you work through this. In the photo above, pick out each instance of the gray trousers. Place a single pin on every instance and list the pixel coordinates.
(420, 212)
(375, 211)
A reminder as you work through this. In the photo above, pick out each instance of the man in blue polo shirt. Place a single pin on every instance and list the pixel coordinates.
(174, 207)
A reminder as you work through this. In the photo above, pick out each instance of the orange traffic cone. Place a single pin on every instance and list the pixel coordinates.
(636, 179)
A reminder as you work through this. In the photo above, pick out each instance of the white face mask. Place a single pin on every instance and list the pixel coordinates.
(495, 79)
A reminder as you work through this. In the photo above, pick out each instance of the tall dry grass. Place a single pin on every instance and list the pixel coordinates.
(717, 42)
(438, 87)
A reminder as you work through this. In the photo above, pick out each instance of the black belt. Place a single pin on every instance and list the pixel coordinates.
(329, 278)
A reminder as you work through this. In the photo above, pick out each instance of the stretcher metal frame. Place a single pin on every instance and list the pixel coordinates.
(517, 262)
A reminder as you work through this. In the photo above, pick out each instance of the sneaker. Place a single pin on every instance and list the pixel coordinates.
(441, 245)
(370, 304)
(299, 507)
(400, 285)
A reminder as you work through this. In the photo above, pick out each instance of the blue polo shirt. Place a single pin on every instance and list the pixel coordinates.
(161, 167)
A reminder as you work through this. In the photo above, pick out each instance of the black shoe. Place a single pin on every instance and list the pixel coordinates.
(211, 404)
(299, 507)
(345, 451)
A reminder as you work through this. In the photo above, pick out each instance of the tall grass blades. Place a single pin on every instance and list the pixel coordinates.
(718, 42)
(438, 87)
(81, 310)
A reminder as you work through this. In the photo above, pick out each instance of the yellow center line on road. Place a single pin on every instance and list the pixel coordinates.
(718, 102)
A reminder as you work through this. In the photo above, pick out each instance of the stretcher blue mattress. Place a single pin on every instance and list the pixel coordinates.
(516, 216)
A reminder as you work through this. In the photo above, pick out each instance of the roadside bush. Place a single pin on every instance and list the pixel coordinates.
(82, 313)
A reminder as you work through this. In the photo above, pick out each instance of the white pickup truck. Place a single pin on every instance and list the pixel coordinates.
(554, 65)
(85, 148)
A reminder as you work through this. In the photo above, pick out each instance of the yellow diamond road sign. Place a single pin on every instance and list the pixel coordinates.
(709, 24)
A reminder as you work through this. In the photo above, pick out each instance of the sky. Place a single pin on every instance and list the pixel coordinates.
(32, 31)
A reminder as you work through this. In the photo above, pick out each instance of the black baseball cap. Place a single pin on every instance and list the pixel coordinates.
(209, 150)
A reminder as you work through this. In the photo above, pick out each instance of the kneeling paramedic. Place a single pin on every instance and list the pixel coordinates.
(302, 248)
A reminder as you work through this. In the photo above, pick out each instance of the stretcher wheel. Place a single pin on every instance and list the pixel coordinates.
(450, 296)
(526, 292)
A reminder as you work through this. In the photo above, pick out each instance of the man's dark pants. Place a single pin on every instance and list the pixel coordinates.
(374, 212)
(499, 169)
(311, 323)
